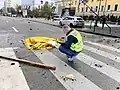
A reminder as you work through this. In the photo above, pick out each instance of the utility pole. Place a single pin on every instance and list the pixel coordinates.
(97, 17)
(105, 7)
(33, 3)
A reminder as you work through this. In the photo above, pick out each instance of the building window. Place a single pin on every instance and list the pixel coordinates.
(72, 3)
(102, 7)
(116, 7)
(91, 8)
(86, 9)
(75, 2)
(108, 7)
(96, 8)
(82, 10)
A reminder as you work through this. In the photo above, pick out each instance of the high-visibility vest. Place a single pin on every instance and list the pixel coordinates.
(77, 47)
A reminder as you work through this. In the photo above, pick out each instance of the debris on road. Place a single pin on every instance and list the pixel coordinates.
(117, 87)
(30, 28)
(29, 63)
(11, 43)
(69, 76)
(97, 65)
(12, 63)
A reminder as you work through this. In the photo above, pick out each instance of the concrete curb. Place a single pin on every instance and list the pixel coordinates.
(107, 35)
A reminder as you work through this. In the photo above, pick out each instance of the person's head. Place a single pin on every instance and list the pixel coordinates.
(66, 29)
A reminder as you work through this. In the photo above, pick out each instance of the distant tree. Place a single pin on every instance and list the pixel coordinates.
(46, 10)
(18, 8)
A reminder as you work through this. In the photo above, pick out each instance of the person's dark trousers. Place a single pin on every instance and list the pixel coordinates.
(68, 51)
(103, 25)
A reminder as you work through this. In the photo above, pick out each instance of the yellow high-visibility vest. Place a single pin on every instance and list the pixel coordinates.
(77, 47)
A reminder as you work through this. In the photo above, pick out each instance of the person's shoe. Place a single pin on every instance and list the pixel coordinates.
(71, 59)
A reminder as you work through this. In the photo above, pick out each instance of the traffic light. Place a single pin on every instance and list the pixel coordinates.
(41, 2)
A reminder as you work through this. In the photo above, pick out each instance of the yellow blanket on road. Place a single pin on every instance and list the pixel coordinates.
(40, 43)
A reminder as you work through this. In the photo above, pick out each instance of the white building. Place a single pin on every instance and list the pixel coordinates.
(59, 6)
(7, 4)
(11, 3)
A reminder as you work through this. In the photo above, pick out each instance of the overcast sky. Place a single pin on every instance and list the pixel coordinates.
(1, 3)
(25, 1)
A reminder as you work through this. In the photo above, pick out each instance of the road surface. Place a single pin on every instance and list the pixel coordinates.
(96, 68)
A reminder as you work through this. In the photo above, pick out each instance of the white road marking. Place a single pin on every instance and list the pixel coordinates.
(104, 46)
(11, 76)
(103, 53)
(106, 69)
(81, 82)
(15, 29)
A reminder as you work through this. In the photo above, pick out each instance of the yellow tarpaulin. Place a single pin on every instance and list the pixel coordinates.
(40, 43)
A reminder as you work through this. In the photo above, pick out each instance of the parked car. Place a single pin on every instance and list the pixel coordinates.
(72, 21)
(14, 15)
(56, 18)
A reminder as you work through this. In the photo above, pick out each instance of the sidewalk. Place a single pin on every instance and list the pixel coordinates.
(115, 29)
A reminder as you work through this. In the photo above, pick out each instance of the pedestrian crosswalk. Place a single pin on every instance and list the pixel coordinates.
(90, 72)
(11, 75)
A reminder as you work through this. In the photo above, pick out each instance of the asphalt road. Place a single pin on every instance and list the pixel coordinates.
(95, 77)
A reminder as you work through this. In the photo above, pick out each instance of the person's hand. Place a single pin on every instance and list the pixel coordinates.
(62, 37)
(54, 43)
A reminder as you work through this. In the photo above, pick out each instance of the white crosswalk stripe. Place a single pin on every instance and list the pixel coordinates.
(104, 46)
(102, 53)
(11, 76)
(81, 84)
(99, 75)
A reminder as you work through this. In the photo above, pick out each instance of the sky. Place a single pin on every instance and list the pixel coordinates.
(24, 1)
(1, 3)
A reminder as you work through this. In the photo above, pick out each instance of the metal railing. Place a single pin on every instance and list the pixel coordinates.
(98, 18)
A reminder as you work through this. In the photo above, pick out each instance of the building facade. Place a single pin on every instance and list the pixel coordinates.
(11, 3)
(101, 7)
(66, 5)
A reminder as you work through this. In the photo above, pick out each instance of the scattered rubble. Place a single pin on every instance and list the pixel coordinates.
(56, 79)
(68, 77)
(117, 87)
(118, 48)
(97, 65)
(117, 41)
(11, 43)
(65, 65)
(12, 63)
(30, 28)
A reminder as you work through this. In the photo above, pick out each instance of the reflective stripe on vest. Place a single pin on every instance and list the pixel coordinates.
(77, 47)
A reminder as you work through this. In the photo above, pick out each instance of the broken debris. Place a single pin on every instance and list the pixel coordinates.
(12, 63)
(117, 87)
(11, 43)
(69, 77)
(30, 28)
(97, 65)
